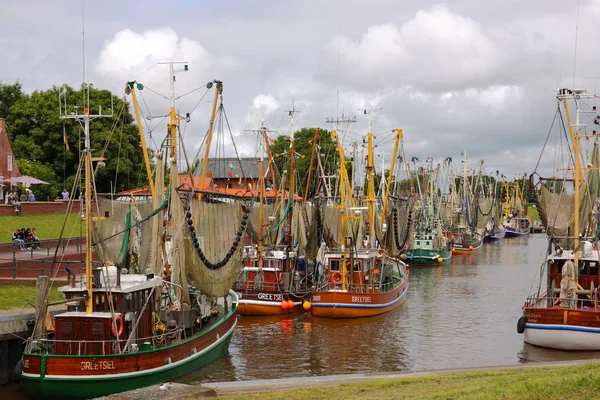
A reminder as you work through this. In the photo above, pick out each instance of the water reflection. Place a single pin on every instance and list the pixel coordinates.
(462, 314)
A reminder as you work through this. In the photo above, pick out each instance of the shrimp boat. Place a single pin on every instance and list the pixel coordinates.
(465, 238)
(564, 313)
(493, 232)
(514, 224)
(134, 318)
(273, 280)
(357, 282)
(430, 245)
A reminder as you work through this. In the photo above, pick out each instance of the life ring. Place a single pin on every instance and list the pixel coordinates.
(337, 277)
(119, 319)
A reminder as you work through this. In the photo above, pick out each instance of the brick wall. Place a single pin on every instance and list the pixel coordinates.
(39, 208)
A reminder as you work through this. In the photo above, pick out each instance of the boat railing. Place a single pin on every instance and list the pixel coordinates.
(585, 301)
(269, 286)
(356, 287)
(46, 345)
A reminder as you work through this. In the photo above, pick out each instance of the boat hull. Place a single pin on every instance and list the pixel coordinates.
(462, 248)
(494, 236)
(427, 257)
(256, 303)
(339, 304)
(510, 232)
(562, 328)
(81, 377)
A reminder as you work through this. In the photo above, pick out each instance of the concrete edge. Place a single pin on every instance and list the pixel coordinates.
(268, 385)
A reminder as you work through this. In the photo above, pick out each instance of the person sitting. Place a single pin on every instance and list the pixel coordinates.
(23, 197)
(32, 239)
(17, 240)
(31, 197)
(15, 203)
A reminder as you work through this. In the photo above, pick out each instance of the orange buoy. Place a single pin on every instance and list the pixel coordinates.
(453, 250)
(440, 259)
(290, 304)
(470, 247)
(306, 305)
(284, 304)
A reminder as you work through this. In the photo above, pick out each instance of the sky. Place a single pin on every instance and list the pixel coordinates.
(458, 76)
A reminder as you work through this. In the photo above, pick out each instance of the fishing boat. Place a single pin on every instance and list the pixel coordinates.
(465, 237)
(430, 246)
(564, 312)
(358, 279)
(493, 232)
(134, 318)
(274, 280)
(514, 223)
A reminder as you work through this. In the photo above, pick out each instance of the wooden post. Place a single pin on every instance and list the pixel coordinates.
(41, 306)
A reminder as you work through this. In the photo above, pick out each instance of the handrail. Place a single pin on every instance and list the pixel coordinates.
(34, 342)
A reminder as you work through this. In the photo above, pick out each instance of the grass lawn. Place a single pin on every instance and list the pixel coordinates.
(533, 214)
(17, 296)
(48, 226)
(548, 383)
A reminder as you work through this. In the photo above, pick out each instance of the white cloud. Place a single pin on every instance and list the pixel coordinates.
(436, 50)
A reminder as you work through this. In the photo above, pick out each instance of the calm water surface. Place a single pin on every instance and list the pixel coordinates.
(463, 314)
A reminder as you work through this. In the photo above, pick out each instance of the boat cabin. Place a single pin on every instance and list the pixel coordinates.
(366, 271)
(115, 312)
(587, 270)
(275, 259)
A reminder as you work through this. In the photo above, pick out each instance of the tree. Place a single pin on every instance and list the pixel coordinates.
(303, 147)
(36, 133)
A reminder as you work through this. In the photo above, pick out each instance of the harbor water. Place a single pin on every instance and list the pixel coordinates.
(462, 314)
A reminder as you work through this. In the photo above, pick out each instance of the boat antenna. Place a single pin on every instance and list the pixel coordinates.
(83, 46)
(576, 33)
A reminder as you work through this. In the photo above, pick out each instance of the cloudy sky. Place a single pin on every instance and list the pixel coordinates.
(459, 75)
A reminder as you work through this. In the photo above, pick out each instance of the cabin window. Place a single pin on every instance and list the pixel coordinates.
(418, 243)
(427, 243)
(559, 266)
(357, 266)
(334, 265)
(593, 268)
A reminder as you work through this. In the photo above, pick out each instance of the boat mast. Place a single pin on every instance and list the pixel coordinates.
(315, 147)
(517, 196)
(136, 107)
(88, 168)
(292, 180)
(576, 176)
(391, 174)
(218, 91)
(261, 199)
(371, 180)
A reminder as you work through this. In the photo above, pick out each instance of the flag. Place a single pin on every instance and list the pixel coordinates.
(65, 139)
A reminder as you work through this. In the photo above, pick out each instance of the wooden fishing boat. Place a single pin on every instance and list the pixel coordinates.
(273, 279)
(132, 323)
(354, 282)
(272, 288)
(564, 313)
(514, 224)
(376, 284)
(466, 242)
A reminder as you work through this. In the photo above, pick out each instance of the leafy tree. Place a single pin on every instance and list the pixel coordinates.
(43, 172)
(303, 147)
(36, 132)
